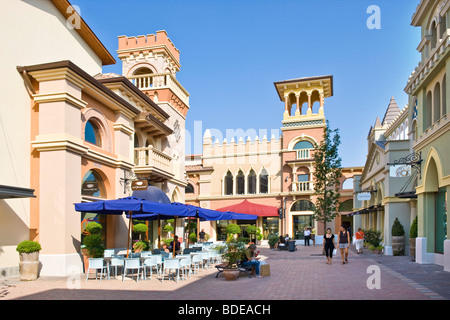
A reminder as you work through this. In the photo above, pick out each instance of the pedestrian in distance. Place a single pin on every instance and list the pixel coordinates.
(329, 245)
(201, 236)
(359, 240)
(307, 234)
(313, 236)
(344, 243)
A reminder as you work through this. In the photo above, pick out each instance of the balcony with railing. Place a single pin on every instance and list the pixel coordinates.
(153, 163)
(302, 187)
(303, 154)
(160, 81)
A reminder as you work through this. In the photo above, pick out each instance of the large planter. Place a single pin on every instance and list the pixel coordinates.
(29, 266)
(398, 245)
(231, 274)
(412, 248)
(86, 256)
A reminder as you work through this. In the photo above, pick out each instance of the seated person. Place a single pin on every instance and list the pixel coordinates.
(281, 243)
(177, 246)
(250, 259)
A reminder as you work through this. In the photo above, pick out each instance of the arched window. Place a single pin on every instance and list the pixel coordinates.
(428, 108)
(346, 206)
(437, 102)
(251, 182)
(444, 95)
(92, 133)
(348, 184)
(240, 182)
(303, 205)
(303, 149)
(143, 79)
(264, 181)
(228, 185)
(136, 141)
(189, 188)
(92, 185)
(433, 35)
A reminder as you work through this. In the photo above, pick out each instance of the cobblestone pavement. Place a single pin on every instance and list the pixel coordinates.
(299, 275)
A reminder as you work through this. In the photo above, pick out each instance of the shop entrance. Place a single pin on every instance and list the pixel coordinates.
(244, 224)
(299, 224)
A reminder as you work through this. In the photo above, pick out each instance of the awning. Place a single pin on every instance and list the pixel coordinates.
(248, 207)
(370, 209)
(8, 192)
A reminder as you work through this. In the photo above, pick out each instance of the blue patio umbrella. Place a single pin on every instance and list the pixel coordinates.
(132, 205)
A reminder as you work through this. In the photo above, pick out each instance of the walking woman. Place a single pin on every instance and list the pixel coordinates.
(344, 243)
(359, 242)
(328, 245)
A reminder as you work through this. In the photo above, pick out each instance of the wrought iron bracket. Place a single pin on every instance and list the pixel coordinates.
(414, 160)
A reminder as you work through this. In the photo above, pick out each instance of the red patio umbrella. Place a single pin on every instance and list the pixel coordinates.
(248, 207)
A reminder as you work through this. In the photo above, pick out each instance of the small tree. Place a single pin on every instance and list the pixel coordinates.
(327, 172)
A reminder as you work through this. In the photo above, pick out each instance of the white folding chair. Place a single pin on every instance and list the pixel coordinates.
(197, 260)
(185, 263)
(116, 261)
(150, 262)
(205, 257)
(97, 264)
(132, 264)
(171, 264)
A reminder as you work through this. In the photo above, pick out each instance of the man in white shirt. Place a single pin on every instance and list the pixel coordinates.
(307, 234)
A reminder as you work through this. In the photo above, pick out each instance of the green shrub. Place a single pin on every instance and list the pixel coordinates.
(413, 231)
(233, 229)
(397, 229)
(140, 246)
(193, 237)
(373, 237)
(94, 228)
(140, 228)
(168, 228)
(273, 239)
(28, 246)
(94, 244)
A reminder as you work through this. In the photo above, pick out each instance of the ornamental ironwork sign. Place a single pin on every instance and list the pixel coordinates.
(403, 167)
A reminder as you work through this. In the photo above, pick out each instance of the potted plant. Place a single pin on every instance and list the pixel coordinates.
(140, 246)
(141, 229)
(92, 243)
(398, 238)
(234, 252)
(232, 230)
(29, 259)
(373, 240)
(273, 240)
(193, 237)
(412, 239)
(251, 230)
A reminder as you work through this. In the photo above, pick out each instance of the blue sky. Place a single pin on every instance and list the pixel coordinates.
(232, 51)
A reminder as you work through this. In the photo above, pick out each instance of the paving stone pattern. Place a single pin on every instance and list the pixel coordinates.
(299, 275)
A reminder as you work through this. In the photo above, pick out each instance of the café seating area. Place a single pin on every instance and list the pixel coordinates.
(154, 264)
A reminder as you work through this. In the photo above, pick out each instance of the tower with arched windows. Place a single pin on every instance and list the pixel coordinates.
(302, 127)
(276, 172)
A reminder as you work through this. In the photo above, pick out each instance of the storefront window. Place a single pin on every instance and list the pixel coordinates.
(221, 231)
(92, 185)
(87, 217)
(299, 223)
(270, 226)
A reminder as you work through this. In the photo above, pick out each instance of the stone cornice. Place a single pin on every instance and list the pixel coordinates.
(60, 97)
